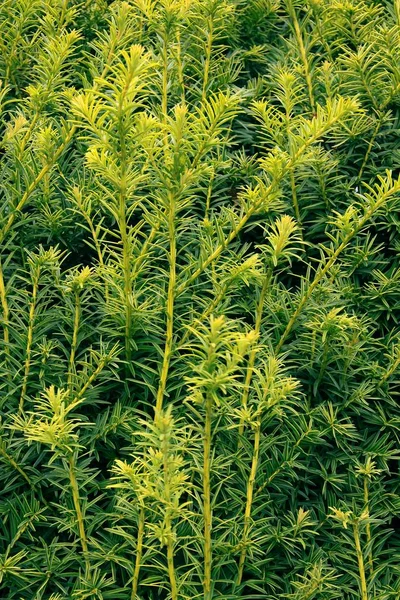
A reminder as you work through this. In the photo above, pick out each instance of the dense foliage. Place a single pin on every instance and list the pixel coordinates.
(199, 286)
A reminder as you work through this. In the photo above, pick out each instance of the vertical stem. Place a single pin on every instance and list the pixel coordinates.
(170, 560)
(172, 247)
(164, 86)
(139, 552)
(126, 250)
(368, 526)
(168, 520)
(164, 97)
(257, 433)
(209, 192)
(249, 500)
(46, 188)
(207, 500)
(28, 350)
(78, 509)
(208, 58)
(179, 63)
(170, 304)
(295, 202)
(6, 315)
(294, 197)
(126, 266)
(77, 504)
(360, 558)
(74, 342)
(303, 52)
(253, 353)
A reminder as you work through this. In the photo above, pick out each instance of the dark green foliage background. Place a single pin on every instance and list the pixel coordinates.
(199, 212)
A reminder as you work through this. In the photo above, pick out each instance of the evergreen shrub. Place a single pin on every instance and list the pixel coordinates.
(199, 287)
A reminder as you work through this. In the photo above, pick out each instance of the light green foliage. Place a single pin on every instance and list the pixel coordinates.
(199, 299)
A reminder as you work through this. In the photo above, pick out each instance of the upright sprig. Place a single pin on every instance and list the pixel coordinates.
(157, 480)
(211, 380)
